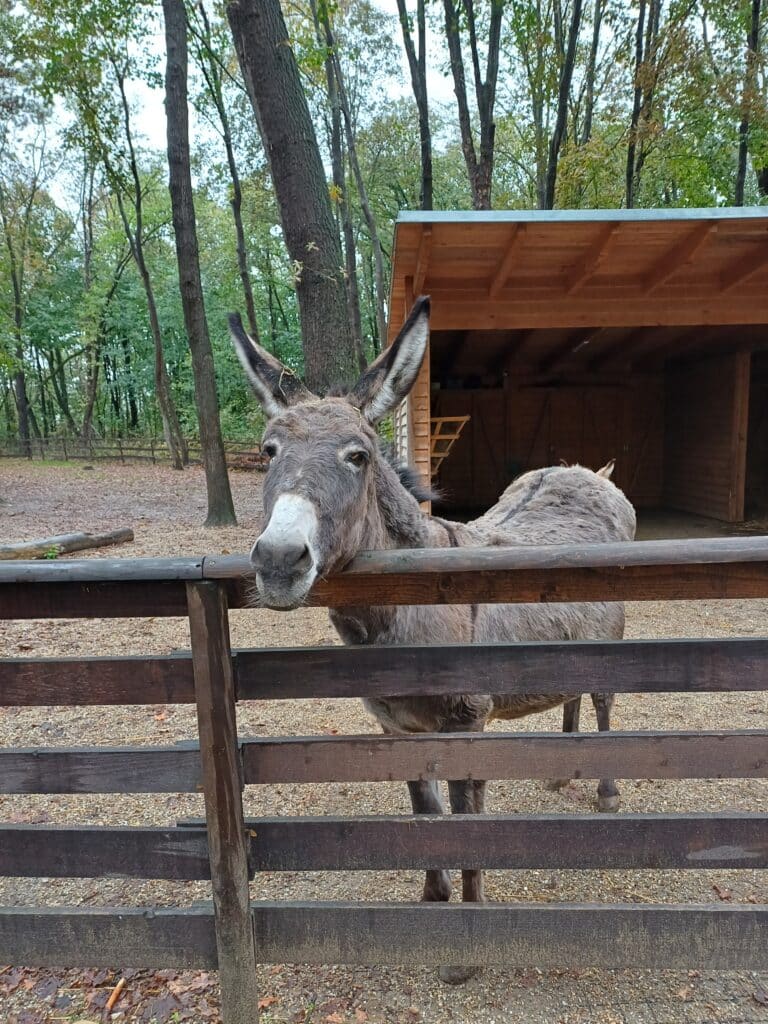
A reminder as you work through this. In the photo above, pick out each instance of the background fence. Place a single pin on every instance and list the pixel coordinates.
(239, 455)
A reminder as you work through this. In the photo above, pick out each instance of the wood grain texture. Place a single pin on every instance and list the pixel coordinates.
(34, 851)
(622, 755)
(101, 769)
(87, 681)
(556, 841)
(622, 666)
(222, 786)
(149, 937)
(514, 935)
(131, 599)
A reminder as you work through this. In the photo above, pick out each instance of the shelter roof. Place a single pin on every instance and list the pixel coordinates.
(518, 270)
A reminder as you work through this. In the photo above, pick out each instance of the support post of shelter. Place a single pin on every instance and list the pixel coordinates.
(222, 787)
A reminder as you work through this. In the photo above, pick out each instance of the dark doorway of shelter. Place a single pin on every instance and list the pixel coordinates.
(756, 491)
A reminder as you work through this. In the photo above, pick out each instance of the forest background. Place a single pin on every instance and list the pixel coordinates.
(312, 124)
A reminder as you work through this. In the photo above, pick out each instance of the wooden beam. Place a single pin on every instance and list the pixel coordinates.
(739, 754)
(222, 788)
(623, 666)
(744, 267)
(676, 257)
(508, 842)
(588, 264)
(671, 937)
(504, 269)
(422, 260)
(738, 440)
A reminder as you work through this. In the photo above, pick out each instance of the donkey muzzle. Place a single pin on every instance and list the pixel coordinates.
(283, 557)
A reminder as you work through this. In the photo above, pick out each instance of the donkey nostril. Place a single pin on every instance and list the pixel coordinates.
(304, 561)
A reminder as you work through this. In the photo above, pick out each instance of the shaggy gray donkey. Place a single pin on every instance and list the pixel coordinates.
(329, 493)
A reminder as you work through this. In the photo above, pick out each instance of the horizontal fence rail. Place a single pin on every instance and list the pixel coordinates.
(740, 754)
(719, 568)
(505, 935)
(628, 755)
(620, 666)
(237, 454)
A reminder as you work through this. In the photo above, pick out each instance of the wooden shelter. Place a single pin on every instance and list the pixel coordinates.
(639, 335)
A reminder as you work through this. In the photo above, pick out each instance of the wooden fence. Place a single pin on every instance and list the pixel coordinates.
(230, 850)
(239, 455)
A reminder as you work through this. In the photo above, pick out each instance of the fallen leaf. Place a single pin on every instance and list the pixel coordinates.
(46, 987)
(722, 892)
(334, 1018)
(360, 1016)
(761, 996)
(267, 1001)
(685, 993)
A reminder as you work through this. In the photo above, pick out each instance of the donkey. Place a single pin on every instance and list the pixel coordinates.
(329, 493)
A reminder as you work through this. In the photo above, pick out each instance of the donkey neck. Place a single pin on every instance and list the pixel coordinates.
(394, 520)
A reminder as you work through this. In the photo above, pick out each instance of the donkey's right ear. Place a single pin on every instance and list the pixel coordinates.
(275, 386)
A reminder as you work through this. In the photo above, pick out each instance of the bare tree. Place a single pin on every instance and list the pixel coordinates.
(221, 509)
(417, 65)
(459, 15)
(213, 71)
(748, 100)
(274, 86)
(563, 96)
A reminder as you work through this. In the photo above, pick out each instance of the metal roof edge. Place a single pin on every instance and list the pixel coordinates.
(584, 216)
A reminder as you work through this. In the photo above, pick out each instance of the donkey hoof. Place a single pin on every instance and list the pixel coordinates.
(457, 975)
(556, 784)
(608, 804)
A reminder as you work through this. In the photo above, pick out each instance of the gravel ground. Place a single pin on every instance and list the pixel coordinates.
(165, 508)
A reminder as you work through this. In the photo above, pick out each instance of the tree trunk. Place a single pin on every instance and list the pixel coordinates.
(747, 101)
(210, 66)
(22, 402)
(589, 88)
(637, 102)
(221, 509)
(563, 93)
(274, 87)
(370, 220)
(336, 148)
(417, 64)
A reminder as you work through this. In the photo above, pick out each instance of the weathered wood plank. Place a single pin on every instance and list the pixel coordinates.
(623, 755)
(514, 935)
(585, 841)
(101, 769)
(222, 787)
(83, 600)
(38, 851)
(622, 666)
(85, 681)
(150, 937)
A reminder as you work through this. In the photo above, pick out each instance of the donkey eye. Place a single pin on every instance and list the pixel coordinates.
(356, 458)
(269, 449)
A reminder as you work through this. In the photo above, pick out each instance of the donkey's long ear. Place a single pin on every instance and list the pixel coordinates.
(389, 378)
(276, 387)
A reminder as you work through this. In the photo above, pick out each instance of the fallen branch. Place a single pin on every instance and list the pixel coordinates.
(52, 547)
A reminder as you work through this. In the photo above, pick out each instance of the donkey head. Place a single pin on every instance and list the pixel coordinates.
(319, 489)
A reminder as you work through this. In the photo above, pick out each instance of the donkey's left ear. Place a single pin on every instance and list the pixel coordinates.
(389, 378)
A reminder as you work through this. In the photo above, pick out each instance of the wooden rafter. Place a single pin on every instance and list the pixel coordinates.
(422, 260)
(744, 267)
(677, 256)
(504, 269)
(590, 263)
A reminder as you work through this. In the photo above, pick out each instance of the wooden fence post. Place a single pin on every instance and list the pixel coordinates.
(222, 786)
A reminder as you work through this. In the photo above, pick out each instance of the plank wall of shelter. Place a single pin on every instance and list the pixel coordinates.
(557, 332)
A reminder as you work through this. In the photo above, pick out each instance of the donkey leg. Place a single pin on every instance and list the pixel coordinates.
(607, 790)
(467, 797)
(571, 710)
(425, 799)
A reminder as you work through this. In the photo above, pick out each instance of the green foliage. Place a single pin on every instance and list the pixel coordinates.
(75, 74)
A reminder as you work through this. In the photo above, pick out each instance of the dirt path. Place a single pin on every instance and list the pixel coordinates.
(164, 508)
